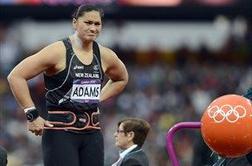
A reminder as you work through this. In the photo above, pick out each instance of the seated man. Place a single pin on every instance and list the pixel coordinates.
(130, 137)
(3, 156)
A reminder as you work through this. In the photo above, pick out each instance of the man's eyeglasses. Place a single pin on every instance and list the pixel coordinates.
(120, 131)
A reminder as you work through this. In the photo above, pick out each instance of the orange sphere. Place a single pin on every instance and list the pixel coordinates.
(226, 126)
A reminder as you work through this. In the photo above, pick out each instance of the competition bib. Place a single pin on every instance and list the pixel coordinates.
(86, 91)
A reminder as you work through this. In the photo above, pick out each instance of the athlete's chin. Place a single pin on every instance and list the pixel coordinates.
(90, 38)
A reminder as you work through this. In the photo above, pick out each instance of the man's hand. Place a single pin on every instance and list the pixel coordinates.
(248, 94)
(37, 126)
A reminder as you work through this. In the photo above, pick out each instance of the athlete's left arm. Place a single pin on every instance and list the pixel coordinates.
(116, 71)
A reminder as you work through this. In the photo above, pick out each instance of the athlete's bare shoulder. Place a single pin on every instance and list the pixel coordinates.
(55, 50)
(108, 57)
(107, 54)
(49, 56)
(111, 64)
(105, 51)
(50, 59)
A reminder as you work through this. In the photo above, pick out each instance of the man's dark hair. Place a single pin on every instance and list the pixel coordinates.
(81, 10)
(140, 128)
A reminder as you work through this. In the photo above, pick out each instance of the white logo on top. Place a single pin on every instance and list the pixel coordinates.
(78, 67)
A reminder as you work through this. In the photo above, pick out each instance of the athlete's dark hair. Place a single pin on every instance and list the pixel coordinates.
(81, 10)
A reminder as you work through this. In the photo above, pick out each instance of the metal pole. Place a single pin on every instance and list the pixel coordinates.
(170, 135)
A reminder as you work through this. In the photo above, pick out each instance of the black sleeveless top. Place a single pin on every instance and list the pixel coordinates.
(78, 86)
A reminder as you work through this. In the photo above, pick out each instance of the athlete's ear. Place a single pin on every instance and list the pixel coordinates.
(74, 22)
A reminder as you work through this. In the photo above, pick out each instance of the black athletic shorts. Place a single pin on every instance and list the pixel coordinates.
(63, 148)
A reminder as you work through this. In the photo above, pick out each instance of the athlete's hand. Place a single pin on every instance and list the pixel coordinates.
(37, 126)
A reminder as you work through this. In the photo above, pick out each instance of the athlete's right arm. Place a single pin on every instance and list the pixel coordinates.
(48, 58)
